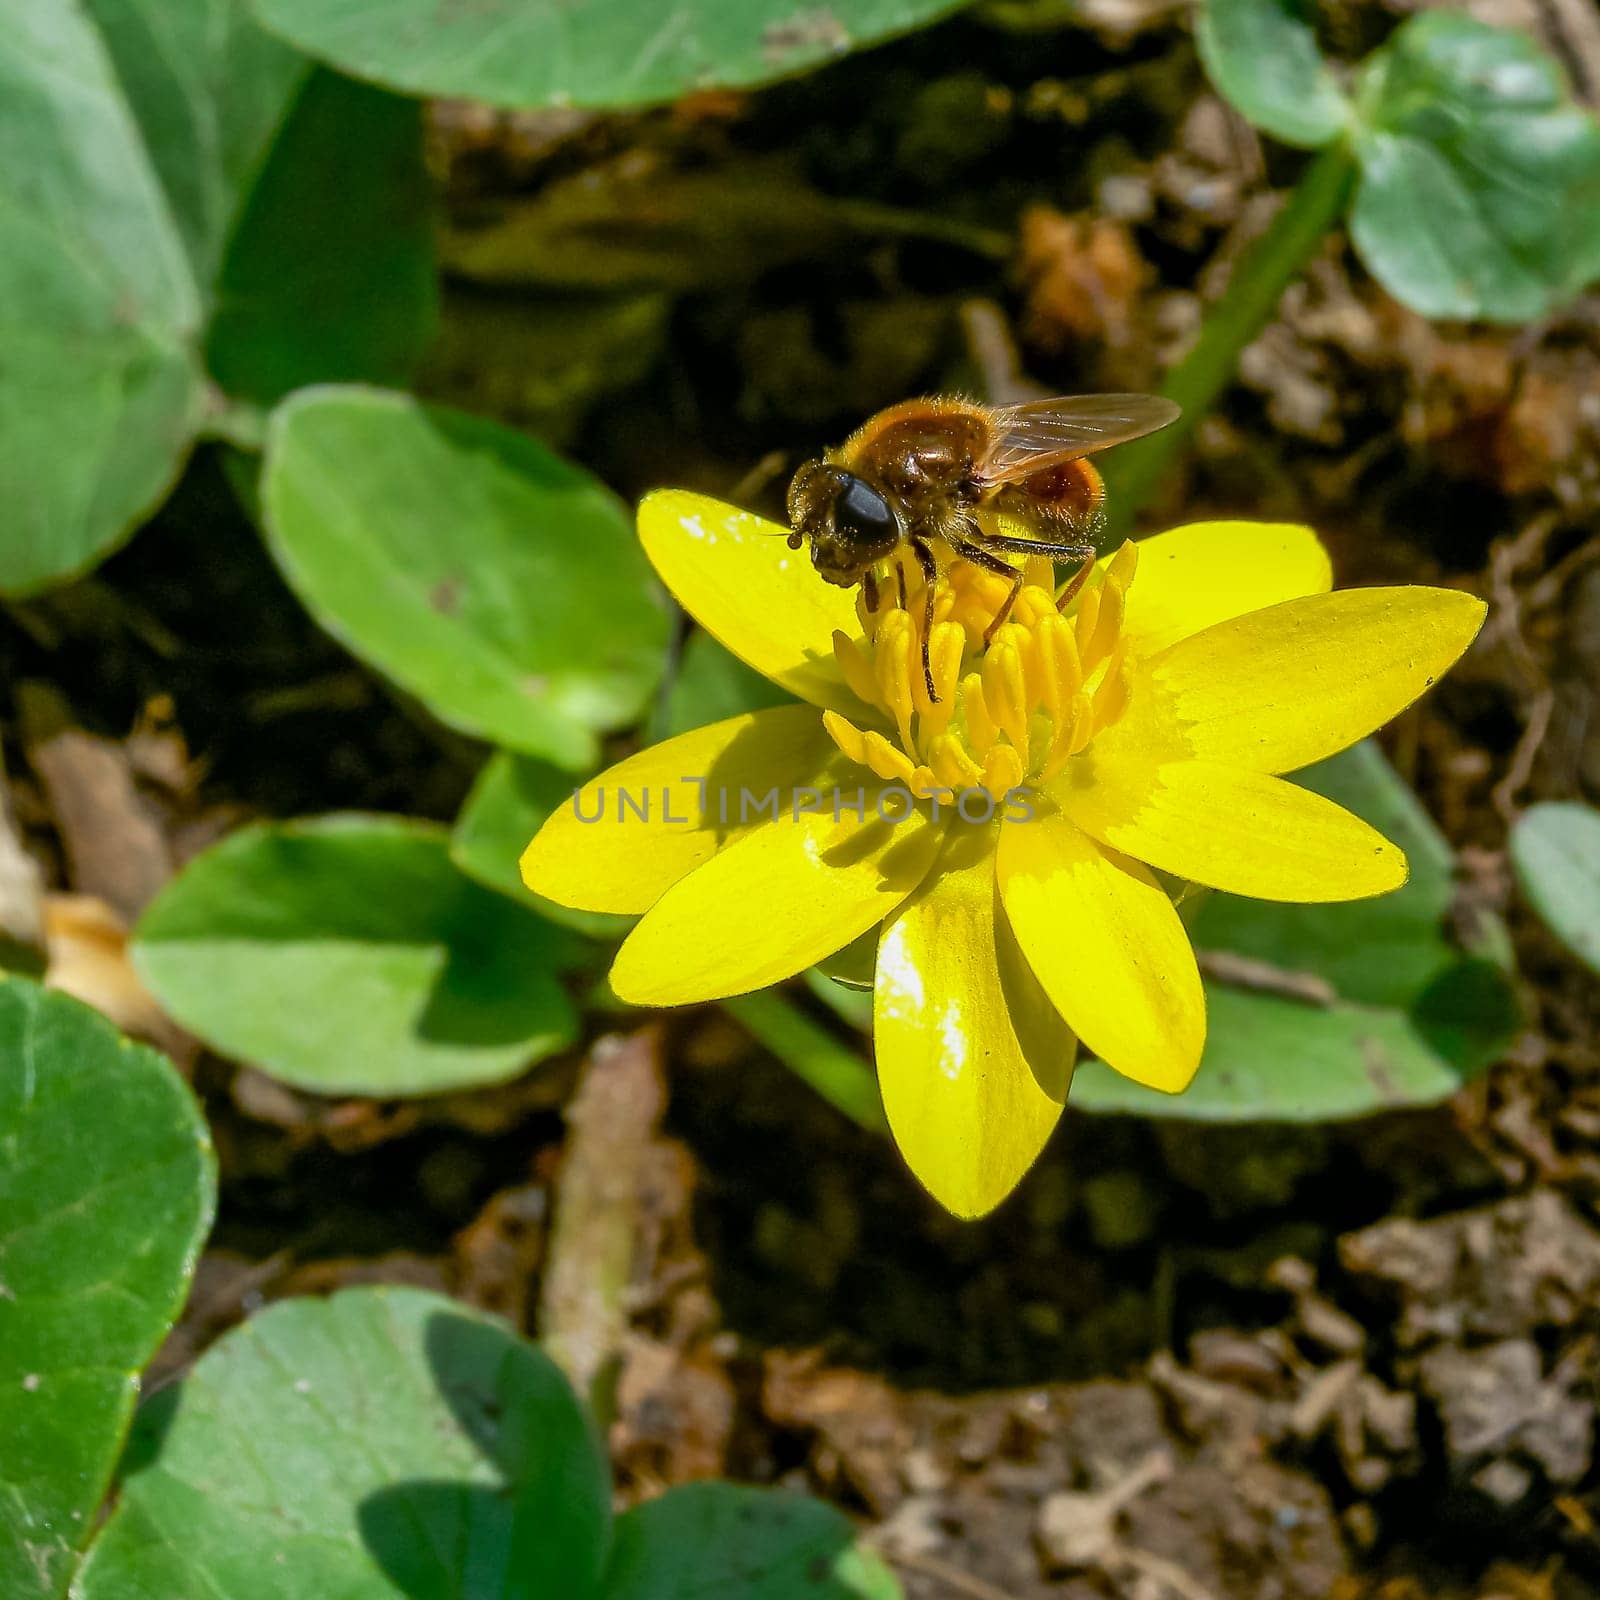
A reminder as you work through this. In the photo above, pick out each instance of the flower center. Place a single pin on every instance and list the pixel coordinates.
(1011, 710)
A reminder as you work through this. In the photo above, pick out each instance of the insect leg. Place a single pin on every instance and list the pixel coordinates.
(869, 590)
(978, 554)
(900, 573)
(930, 576)
(1079, 551)
(1062, 550)
(970, 541)
(1070, 593)
(1005, 610)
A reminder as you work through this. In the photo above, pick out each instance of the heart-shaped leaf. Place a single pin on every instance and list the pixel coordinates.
(707, 1540)
(1555, 850)
(158, 157)
(1263, 58)
(107, 1188)
(602, 53)
(99, 308)
(329, 274)
(347, 955)
(1271, 1059)
(501, 586)
(209, 89)
(1480, 178)
(1338, 1010)
(384, 1443)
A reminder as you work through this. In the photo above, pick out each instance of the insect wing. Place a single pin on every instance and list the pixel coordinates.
(1043, 432)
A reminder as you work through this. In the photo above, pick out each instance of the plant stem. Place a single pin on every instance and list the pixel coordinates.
(809, 1051)
(236, 422)
(1245, 307)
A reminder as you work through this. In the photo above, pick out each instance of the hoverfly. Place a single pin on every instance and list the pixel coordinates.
(919, 472)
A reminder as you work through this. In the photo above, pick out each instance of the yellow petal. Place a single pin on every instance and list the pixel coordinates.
(973, 1060)
(1106, 944)
(598, 854)
(1229, 829)
(771, 904)
(734, 574)
(1280, 688)
(1207, 572)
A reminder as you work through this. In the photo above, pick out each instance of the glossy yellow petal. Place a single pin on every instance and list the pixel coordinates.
(736, 576)
(771, 904)
(1227, 828)
(1109, 949)
(1207, 572)
(597, 853)
(1278, 689)
(973, 1060)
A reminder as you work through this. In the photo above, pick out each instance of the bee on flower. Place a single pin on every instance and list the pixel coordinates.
(1006, 839)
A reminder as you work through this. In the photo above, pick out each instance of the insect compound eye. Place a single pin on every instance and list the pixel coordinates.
(862, 514)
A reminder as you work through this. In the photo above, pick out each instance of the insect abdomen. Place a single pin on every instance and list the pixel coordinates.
(1069, 492)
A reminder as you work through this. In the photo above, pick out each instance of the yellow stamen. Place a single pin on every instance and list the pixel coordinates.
(1124, 564)
(1108, 627)
(855, 666)
(851, 741)
(982, 729)
(898, 654)
(1014, 710)
(1002, 771)
(1088, 617)
(890, 764)
(1005, 688)
(953, 766)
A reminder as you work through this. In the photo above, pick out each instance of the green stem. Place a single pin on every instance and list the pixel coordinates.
(812, 1053)
(235, 422)
(1246, 306)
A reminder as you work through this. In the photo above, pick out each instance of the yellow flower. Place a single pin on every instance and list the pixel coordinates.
(1145, 729)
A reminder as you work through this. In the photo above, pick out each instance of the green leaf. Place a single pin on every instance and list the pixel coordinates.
(1269, 1059)
(508, 805)
(209, 89)
(1480, 184)
(99, 309)
(724, 1541)
(501, 586)
(1396, 1013)
(601, 53)
(107, 1187)
(147, 181)
(329, 275)
(711, 683)
(1262, 57)
(347, 955)
(379, 1444)
(1555, 852)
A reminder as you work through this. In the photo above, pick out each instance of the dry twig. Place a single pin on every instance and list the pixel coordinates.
(613, 1116)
